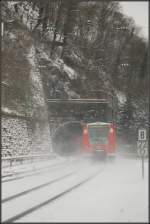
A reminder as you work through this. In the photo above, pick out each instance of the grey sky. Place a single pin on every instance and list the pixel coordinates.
(139, 12)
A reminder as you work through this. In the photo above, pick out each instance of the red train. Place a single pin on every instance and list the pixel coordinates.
(99, 137)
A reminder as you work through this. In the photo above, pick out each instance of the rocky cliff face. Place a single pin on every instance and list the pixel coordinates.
(25, 125)
(34, 71)
(41, 133)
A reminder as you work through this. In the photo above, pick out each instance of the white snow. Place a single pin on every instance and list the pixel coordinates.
(27, 201)
(43, 55)
(13, 3)
(28, 166)
(12, 36)
(39, 107)
(71, 73)
(121, 97)
(117, 194)
(38, 92)
(59, 63)
(62, 66)
(11, 112)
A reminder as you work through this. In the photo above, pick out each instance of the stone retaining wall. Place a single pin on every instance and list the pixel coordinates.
(19, 138)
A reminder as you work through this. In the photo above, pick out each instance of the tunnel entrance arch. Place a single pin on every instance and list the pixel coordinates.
(66, 138)
(67, 115)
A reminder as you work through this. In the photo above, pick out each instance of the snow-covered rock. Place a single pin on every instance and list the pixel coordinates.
(121, 97)
(6, 110)
(41, 135)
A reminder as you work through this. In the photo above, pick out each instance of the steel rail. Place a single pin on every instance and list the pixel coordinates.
(52, 199)
(32, 173)
(36, 188)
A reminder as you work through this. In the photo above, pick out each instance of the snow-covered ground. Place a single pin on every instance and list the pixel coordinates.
(117, 194)
(29, 166)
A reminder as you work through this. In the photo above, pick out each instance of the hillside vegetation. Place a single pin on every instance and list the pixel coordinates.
(80, 46)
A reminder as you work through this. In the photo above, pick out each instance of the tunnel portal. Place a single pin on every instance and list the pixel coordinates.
(67, 118)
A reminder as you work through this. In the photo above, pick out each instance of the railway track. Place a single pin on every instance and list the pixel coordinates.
(35, 188)
(19, 175)
(49, 191)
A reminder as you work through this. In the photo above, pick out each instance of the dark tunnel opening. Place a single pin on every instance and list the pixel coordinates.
(67, 139)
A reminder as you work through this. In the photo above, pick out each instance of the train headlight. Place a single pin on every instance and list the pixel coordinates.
(85, 131)
(111, 130)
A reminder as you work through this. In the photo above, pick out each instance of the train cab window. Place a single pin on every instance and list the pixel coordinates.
(98, 134)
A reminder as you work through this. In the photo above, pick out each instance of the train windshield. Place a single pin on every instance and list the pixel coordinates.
(98, 134)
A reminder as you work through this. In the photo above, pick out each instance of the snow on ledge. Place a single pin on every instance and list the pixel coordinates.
(59, 63)
(6, 110)
(71, 73)
(62, 66)
(121, 97)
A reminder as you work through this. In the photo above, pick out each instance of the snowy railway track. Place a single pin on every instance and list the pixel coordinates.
(18, 175)
(35, 188)
(31, 173)
(48, 192)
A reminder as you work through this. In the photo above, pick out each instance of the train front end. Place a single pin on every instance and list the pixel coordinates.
(99, 138)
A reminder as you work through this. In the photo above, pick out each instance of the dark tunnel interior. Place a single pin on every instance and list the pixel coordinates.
(67, 139)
